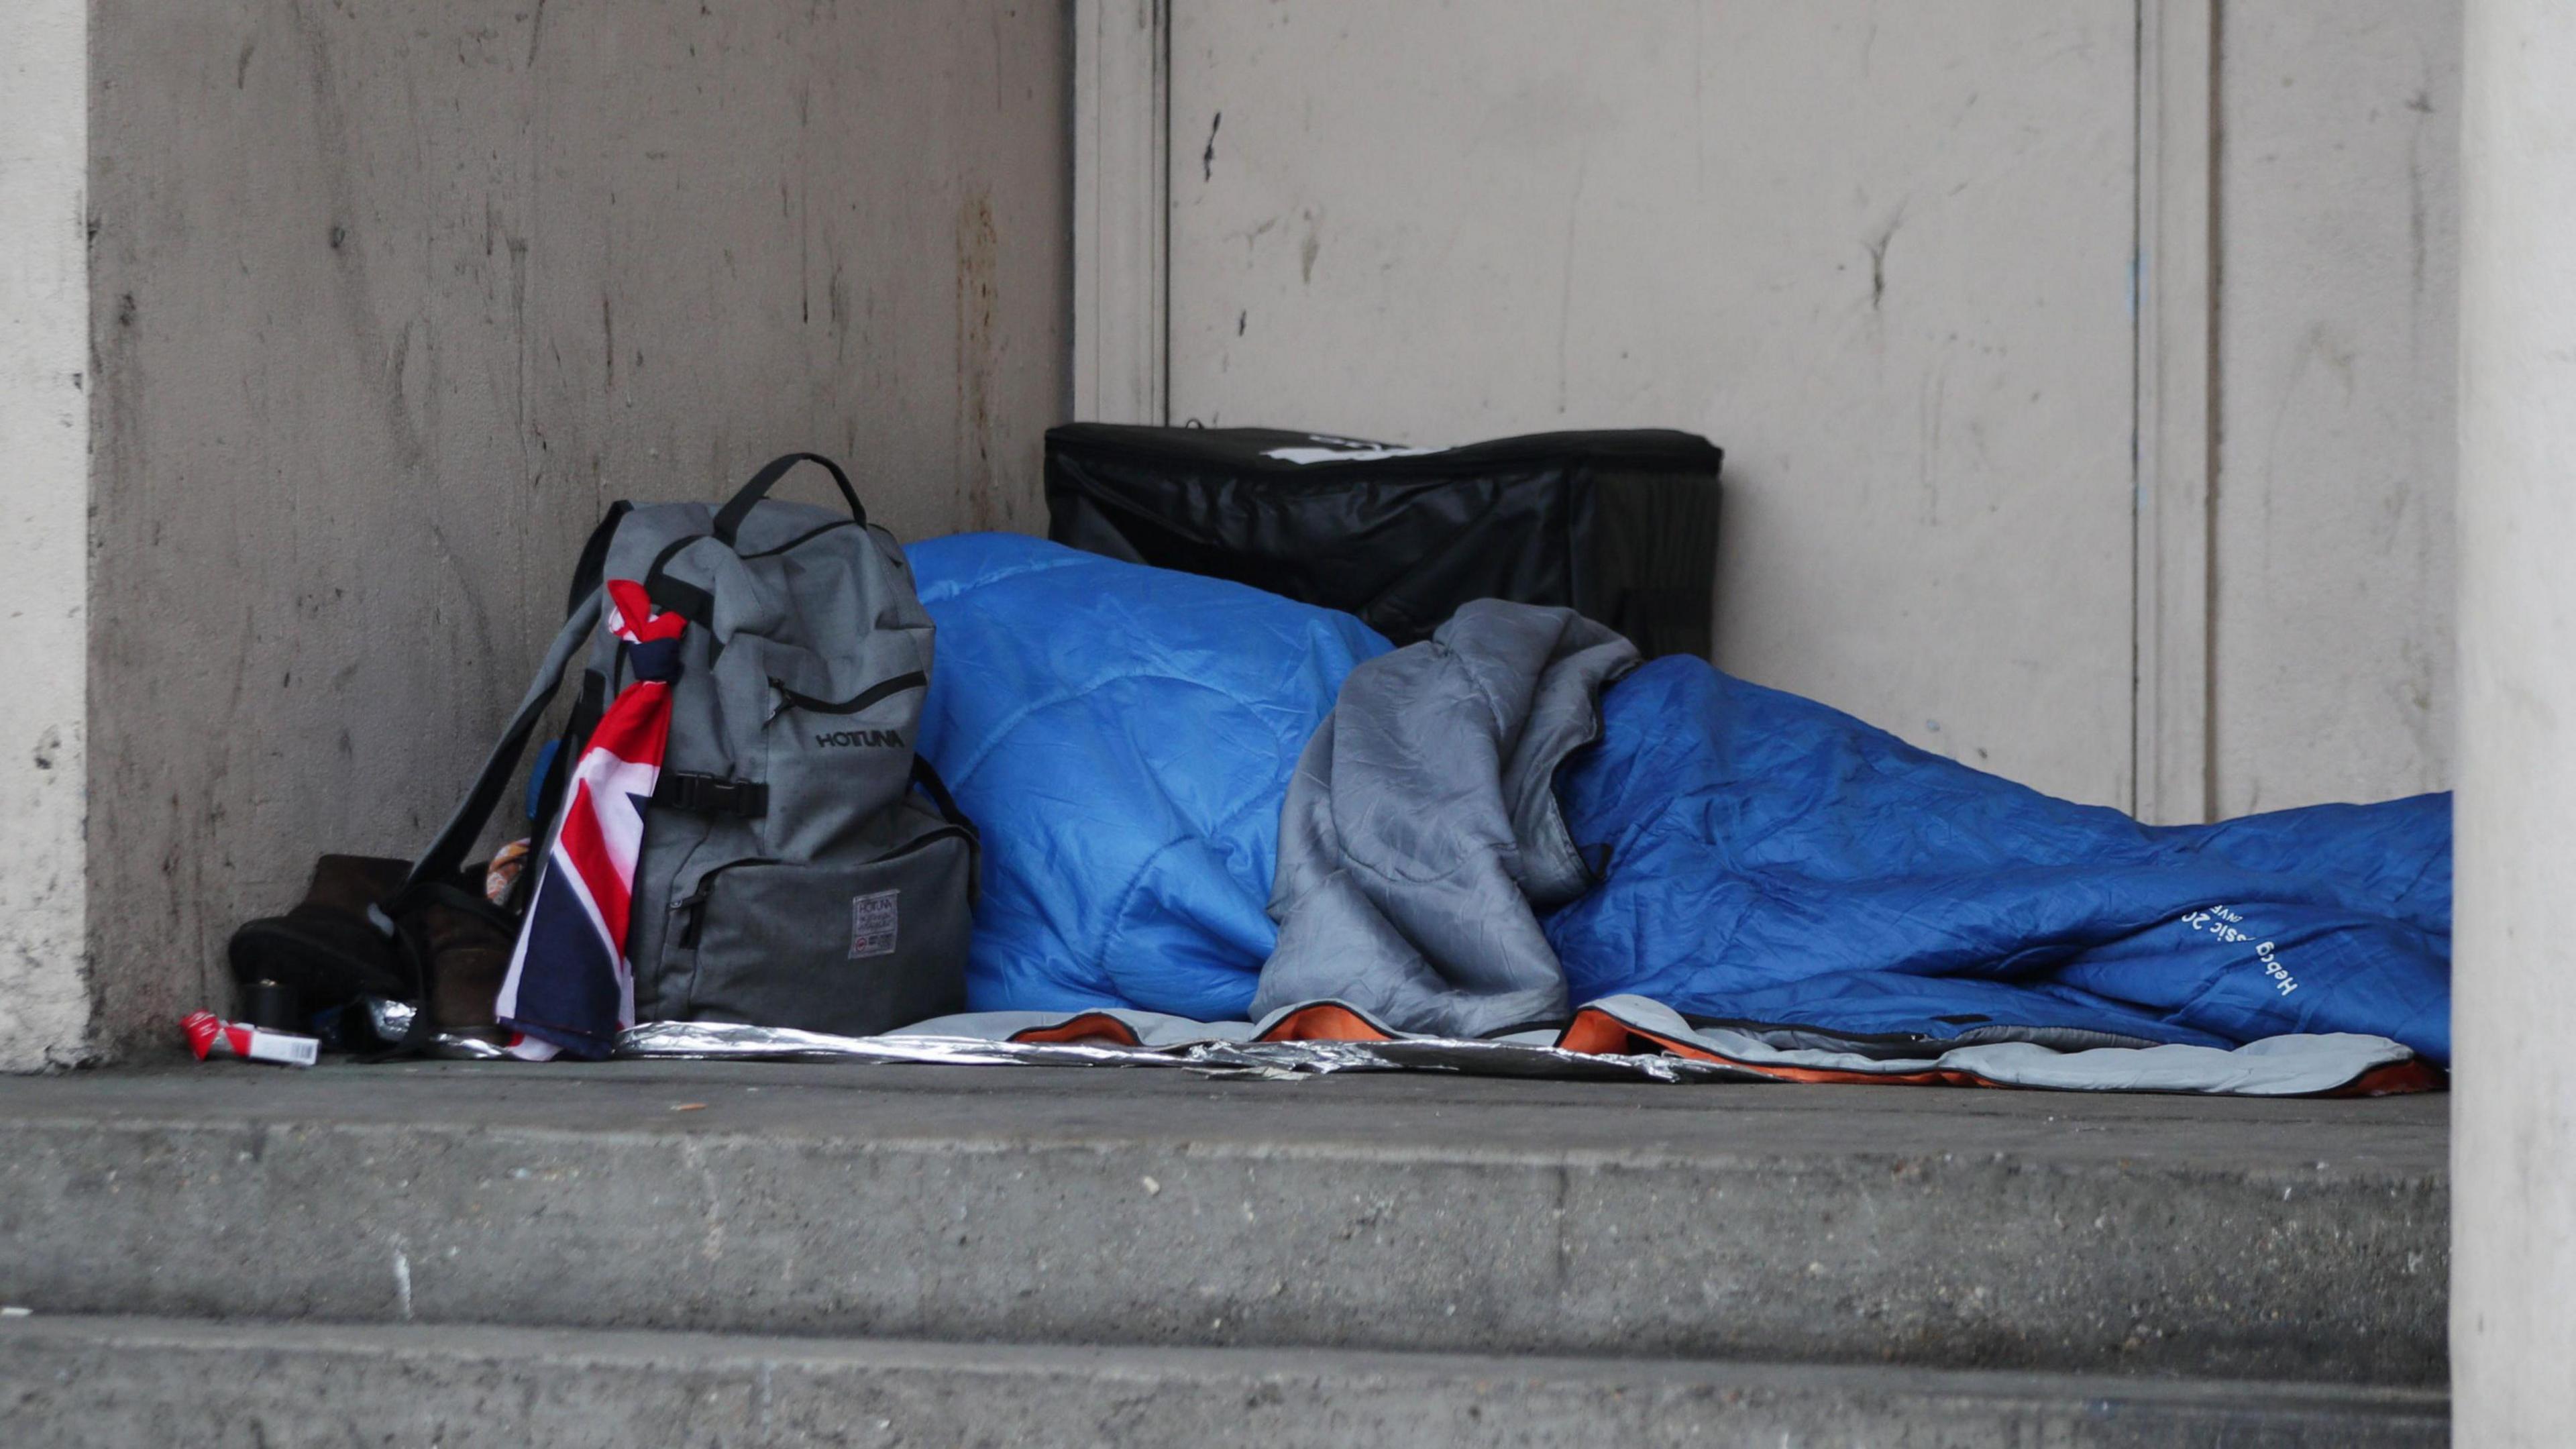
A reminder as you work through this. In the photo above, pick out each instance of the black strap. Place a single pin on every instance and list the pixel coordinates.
(937, 789)
(593, 563)
(446, 854)
(587, 708)
(711, 794)
(674, 597)
(729, 518)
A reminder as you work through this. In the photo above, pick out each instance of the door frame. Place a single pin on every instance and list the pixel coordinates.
(2173, 733)
(1121, 210)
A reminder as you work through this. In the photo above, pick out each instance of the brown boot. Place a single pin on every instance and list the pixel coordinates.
(332, 947)
(326, 950)
(468, 952)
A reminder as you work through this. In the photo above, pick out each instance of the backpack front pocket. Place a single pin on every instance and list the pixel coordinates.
(835, 765)
(850, 949)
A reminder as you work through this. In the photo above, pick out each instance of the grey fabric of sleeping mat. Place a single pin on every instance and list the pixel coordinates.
(1621, 1038)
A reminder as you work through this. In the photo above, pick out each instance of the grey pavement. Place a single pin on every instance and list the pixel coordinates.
(116, 1383)
(1941, 1228)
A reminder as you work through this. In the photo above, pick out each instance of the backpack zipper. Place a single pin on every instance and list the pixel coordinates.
(883, 689)
(801, 539)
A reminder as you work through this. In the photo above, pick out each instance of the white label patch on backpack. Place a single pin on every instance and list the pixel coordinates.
(872, 925)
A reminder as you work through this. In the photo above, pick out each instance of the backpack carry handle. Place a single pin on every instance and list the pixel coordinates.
(729, 520)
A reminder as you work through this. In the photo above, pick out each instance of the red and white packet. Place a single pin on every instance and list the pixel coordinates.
(210, 1035)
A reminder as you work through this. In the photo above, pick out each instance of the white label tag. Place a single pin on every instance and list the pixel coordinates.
(1352, 453)
(872, 925)
(285, 1047)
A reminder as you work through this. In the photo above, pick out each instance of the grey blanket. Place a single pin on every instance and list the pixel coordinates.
(1421, 834)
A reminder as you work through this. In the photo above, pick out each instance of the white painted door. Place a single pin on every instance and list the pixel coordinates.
(1879, 252)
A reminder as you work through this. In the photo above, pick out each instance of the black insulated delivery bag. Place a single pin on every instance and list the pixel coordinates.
(1620, 526)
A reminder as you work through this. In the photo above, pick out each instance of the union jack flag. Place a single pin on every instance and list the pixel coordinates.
(571, 988)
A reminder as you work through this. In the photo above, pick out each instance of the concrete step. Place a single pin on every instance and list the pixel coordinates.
(1937, 1227)
(122, 1382)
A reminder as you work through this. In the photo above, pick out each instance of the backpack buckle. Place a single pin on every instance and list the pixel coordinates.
(711, 794)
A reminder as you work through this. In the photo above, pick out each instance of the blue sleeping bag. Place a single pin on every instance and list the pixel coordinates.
(1122, 736)
(1125, 735)
(1775, 861)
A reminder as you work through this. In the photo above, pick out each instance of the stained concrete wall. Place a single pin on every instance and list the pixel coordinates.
(1879, 250)
(2338, 220)
(44, 500)
(1885, 252)
(391, 299)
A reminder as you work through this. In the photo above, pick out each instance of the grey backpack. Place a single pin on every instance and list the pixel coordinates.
(800, 866)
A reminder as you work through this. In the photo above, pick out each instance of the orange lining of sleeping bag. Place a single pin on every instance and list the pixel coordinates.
(2397, 1079)
(1089, 1026)
(1325, 1021)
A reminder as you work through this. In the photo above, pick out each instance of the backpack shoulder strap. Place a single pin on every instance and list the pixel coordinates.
(587, 571)
(446, 854)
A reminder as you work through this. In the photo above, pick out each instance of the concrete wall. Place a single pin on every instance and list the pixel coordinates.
(2513, 1113)
(2338, 218)
(44, 501)
(1878, 251)
(391, 299)
(1887, 255)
